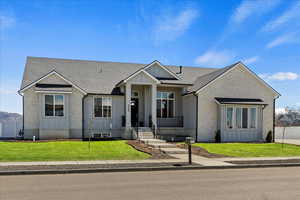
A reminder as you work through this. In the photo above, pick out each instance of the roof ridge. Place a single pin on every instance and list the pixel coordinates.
(99, 61)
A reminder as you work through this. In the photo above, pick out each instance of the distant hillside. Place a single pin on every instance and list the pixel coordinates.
(4, 116)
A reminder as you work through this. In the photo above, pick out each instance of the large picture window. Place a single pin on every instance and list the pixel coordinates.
(165, 104)
(102, 106)
(54, 105)
(245, 117)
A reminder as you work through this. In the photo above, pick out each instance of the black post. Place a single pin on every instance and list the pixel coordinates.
(190, 153)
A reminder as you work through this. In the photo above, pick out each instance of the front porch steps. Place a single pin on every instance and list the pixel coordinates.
(145, 135)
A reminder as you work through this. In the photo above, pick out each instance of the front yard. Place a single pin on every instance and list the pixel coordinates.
(68, 150)
(251, 149)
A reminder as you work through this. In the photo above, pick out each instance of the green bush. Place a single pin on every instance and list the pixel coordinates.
(269, 138)
(218, 136)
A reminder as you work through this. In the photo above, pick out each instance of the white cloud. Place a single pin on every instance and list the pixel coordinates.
(280, 76)
(250, 60)
(170, 27)
(284, 39)
(213, 58)
(292, 14)
(8, 91)
(248, 8)
(6, 21)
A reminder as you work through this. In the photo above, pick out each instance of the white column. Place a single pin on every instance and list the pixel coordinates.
(153, 103)
(128, 105)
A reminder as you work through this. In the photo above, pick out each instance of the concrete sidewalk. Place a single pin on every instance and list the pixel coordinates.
(92, 162)
(288, 141)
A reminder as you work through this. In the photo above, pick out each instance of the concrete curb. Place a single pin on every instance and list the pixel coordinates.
(140, 169)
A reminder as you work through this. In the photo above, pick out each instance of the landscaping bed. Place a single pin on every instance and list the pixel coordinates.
(155, 153)
(69, 151)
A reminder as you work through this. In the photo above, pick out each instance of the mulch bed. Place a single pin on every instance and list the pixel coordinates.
(155, 153)
(201, 152)
(265, 161)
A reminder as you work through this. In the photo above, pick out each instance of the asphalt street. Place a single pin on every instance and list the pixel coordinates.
(259, 183)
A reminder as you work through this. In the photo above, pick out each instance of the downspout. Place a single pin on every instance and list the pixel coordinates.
(273, 135)
(23, 115)
(196, 139)
(82, 104)
(22, 111)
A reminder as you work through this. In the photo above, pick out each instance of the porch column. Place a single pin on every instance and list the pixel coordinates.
(128, 105)
(153, 104)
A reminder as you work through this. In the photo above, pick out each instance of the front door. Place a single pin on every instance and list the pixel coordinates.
(134, 111)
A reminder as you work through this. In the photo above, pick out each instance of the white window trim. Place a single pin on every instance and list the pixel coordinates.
(233, 117)
(256, 117)
(241, 119)
(44, 102)
(174, 99)
(111, 110)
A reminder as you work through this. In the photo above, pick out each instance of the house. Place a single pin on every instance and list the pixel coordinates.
(65, 98)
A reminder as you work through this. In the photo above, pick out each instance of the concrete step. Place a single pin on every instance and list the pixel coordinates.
(162, 145)
(145, 137)
(174, 151)
(147, 141)
(145, 129)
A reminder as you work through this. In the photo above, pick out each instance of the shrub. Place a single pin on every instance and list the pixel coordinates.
(269, 137)
(218, 136)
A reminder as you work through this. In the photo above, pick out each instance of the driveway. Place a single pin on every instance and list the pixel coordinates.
(262, 183)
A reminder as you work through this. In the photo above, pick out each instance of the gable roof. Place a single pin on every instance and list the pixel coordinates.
(98, 76)
(53, 72)
(206, 79)
(203, 81)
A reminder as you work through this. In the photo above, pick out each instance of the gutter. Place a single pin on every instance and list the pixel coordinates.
(23, 116)
(82, 104)
(196, 139)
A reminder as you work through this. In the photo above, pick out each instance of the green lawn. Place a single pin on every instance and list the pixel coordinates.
(68, 150)
(251, 149)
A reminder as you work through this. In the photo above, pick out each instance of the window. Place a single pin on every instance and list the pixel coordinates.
(229, 118)
(54, 105)
(102, 107)
(253, 116)
(165, 104)
(246, 117)
(238, 117)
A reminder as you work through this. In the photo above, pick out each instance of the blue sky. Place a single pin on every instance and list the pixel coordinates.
(264, 34)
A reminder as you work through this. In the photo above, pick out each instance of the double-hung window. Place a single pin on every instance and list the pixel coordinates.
(54, 105)
(165, 104)
(102, 107)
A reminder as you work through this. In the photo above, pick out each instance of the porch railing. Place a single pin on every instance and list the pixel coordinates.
(170, 122)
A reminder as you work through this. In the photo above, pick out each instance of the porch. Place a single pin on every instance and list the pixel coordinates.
(152, 106)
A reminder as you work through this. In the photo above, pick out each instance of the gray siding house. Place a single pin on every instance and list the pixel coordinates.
(66, 98)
